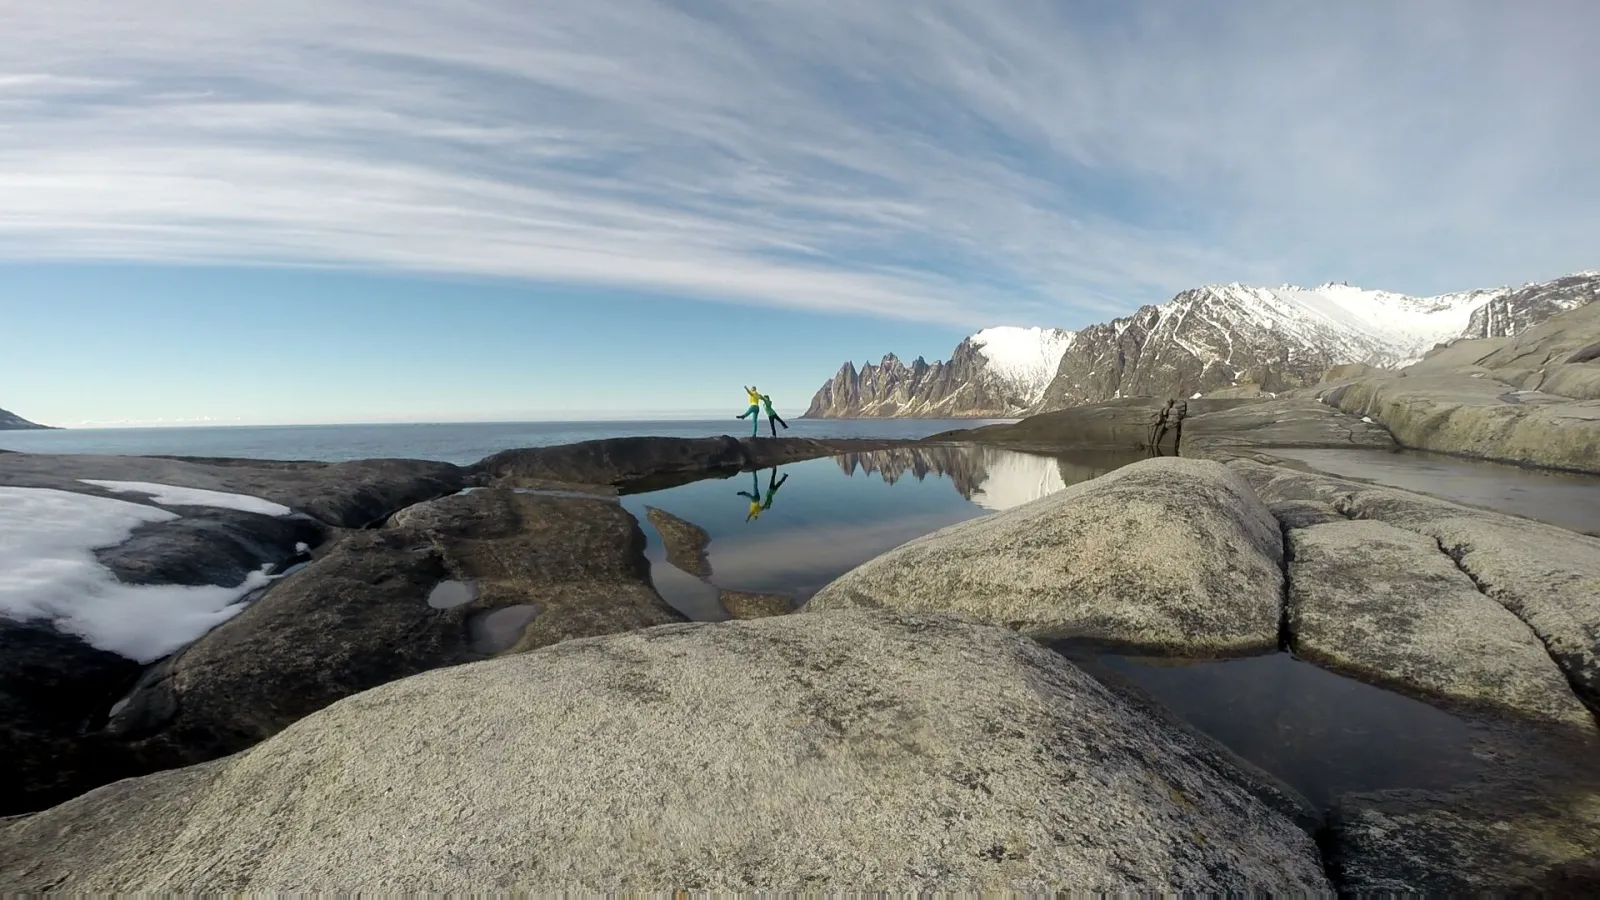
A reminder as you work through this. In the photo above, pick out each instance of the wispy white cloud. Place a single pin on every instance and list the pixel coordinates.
(955, 162)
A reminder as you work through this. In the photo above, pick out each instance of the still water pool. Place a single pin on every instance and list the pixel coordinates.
(792, 529)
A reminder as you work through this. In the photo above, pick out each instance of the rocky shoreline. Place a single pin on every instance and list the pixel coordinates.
(464, 678)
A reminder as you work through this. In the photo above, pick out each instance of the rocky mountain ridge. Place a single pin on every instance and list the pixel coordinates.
(1212, 338)
(998, 372)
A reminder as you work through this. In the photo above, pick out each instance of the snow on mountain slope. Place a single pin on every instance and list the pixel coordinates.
(1208, 338)
(1220, 336)
(1025, 358)
(1387, 328)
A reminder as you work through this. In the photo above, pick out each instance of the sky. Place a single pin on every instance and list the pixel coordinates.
(277, 211)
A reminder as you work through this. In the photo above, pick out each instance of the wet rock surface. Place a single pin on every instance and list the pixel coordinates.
(52, 685)
(685, 542)
(845, 749)
(1175, 555)
(747, 605)
(649, 463)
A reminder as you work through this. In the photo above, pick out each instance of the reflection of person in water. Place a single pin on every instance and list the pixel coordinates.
(757, 504)
(754, 412)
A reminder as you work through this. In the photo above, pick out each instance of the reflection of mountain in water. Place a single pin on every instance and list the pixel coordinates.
(1017, 478)
(962, 465)
(992, 478)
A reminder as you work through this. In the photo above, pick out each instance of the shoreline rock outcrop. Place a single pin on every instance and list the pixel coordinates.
(494, 669)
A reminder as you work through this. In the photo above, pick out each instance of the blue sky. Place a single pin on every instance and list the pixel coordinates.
(353, 210)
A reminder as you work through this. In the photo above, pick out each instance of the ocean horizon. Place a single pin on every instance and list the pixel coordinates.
(461, 443)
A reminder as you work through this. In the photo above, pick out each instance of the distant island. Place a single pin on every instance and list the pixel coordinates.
(10, 421)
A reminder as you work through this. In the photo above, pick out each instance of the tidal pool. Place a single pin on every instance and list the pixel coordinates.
(794, 528)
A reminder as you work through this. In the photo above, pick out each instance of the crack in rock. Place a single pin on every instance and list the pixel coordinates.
(1458, 555)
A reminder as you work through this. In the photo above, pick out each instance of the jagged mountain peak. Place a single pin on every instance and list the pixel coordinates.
(997, 372)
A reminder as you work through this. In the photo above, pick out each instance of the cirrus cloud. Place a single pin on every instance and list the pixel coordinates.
(1028, 161)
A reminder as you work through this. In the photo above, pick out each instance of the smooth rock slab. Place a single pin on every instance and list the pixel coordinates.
(1548, 577)
(1168, 555)
(852, 750)
(1388, 606)
(1478, 417)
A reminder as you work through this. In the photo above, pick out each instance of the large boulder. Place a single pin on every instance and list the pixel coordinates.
(1548, 577)
(1387, 605)
(1169, 555)
(453, 580)
(846, 751)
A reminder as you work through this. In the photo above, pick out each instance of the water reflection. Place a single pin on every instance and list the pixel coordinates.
(1322, 734)
(991, 477)
(758, 504)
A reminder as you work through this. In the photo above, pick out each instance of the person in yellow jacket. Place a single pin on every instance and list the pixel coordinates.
(754, 412)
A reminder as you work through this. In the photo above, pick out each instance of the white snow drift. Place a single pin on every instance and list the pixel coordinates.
(172, 495)
(48, 571)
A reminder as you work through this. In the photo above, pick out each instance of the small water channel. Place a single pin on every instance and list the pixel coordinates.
(1322, 734)
(792, 529)
(1564, 499)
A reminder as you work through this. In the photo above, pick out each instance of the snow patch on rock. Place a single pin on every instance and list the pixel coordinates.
(48, 571)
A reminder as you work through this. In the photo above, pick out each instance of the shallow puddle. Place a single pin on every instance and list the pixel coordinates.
(1321, 734)
(794, 528)
(450, 594)
(497, 631)
(1560, 498)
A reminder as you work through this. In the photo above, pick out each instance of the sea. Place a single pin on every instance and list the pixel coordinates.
(454, 442)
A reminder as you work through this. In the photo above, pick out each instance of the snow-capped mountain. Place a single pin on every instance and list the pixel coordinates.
(996, 372)
(10, 421)
(1220, 336)
(1202, 340)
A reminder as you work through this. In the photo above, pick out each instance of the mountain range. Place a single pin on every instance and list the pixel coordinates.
(1208, 339)
(10, 421)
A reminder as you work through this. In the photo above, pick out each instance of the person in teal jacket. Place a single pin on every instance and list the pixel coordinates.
(773, 419)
